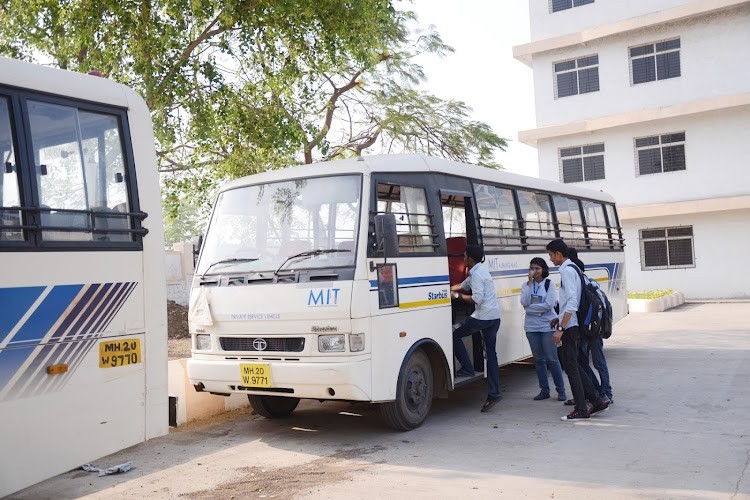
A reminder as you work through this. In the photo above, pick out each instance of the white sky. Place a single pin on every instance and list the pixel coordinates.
(482, 71)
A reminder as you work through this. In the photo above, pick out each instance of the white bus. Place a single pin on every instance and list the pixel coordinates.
(331, 281)
(83, 369)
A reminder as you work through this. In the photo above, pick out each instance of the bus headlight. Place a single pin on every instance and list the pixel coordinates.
(356, 342)
(202, 342)
(331, 343)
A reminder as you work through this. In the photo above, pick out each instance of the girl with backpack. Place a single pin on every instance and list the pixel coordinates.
(538, 298)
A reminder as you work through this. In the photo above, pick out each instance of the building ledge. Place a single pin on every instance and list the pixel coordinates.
(684, 207)
(533, 136)
(525, 52)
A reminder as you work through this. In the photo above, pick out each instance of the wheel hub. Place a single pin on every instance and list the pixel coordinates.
(416, 389)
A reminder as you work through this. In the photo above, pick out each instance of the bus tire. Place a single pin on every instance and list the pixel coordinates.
(273, 406)
(413, 394)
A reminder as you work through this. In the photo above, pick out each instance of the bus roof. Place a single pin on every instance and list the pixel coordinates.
(402, 163)
(55, 81)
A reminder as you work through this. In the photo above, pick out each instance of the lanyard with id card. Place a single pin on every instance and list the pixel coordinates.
(536, 298)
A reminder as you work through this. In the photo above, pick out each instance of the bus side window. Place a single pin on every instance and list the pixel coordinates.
(569, 221)
(80, 167)
(414, 224)
(497, 218)
(536, 212)
(9, 194)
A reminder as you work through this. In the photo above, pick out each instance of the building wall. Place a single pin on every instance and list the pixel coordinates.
(715, 141)
(546, 24)
(711, 48)
(720, 243)
(708, 102)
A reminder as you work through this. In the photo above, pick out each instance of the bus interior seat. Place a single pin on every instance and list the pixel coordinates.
(456, 247)
(53, 219)
(104, 220)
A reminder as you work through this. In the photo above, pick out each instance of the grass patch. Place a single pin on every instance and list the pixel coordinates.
(650, 294)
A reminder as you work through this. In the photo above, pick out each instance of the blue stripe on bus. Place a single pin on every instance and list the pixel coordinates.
(14, 302)
(82, 304)
(431, 280)
(69, 344)
(610, 267)
(48, 312)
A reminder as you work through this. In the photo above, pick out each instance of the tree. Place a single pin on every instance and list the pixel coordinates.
(237, 87)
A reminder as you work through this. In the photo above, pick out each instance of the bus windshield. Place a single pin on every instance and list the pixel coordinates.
(264, 227)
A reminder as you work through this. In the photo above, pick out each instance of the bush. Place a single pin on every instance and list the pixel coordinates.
(650, 294)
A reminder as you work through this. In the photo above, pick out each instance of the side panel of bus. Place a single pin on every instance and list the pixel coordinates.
(83, 320)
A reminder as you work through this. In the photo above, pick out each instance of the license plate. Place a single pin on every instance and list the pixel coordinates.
(255, 374)
(121, 352)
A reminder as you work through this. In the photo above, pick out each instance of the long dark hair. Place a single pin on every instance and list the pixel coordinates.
(573, 256)
(541, 263)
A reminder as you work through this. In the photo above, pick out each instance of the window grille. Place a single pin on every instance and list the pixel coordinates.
(655, 61)
(582, 163)
(667, 248)
(660, 153)
(577, 76)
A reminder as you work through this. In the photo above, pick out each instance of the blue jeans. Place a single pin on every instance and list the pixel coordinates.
(545, 354)
(489, 329)
(596, 346)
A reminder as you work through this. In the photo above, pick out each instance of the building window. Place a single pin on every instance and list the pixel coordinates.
(558, 5)
(667, 248)
(660, 153)
(582, 163)
(655, 61)
(577, 76)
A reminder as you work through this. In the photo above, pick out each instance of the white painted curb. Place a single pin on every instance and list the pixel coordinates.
(192, 405)
(656, 305)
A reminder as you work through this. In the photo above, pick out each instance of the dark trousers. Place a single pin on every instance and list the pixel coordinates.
(580, 383)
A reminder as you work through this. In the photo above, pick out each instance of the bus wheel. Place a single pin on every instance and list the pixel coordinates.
(413, 395)
(273, 406)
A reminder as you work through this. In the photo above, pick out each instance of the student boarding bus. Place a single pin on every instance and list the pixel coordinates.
(83, 369)
(331, 281)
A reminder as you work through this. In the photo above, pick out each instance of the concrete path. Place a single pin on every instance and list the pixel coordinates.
(679, 428)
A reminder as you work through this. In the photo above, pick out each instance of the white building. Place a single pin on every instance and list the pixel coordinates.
(650, 101)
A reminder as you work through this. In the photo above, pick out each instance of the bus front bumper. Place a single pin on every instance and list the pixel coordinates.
(342, 380)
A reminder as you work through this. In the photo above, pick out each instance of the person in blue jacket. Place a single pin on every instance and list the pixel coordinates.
(538, 298)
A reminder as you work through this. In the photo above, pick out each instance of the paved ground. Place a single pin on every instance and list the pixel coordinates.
(679, 428)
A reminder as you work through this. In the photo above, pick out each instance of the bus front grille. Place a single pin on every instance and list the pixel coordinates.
(262, 344)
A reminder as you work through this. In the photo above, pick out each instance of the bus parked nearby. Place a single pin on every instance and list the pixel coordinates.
(83, 369)
(331, 281)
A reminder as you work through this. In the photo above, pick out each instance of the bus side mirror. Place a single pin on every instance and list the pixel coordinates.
(197, 242)
(386, 239)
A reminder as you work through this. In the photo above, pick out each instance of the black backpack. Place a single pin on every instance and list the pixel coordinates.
(594, 310)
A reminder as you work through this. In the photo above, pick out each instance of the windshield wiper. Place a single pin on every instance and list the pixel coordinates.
(228, 261)
(308, 254)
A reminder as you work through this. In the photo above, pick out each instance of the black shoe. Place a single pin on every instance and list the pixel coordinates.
(576, 414)
(490, 403)
(610, 400)
(570, 402)
(542, 395)
(561, 396)
(600, 405)
(464, 373)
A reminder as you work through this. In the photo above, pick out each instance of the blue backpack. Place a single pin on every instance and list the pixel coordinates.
(594, 310)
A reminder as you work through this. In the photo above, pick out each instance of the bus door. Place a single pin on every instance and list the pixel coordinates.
(409, 291)
(459, 230)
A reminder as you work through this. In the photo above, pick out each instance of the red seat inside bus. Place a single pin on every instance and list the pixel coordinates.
(456, 247)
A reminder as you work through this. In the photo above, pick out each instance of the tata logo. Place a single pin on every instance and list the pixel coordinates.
(260, 344)
(323, 297)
